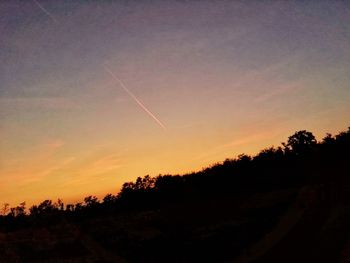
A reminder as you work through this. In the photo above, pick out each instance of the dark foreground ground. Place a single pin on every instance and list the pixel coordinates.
(308, 224)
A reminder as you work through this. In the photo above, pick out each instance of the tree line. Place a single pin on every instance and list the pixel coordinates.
(302, 159)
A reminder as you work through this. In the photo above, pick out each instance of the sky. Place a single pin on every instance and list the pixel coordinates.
(96, 93)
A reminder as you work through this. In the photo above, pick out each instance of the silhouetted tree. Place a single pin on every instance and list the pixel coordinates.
(78, 206)
(269, 154)
(141, 185)
(5, 209)
(145, 183)
(301, 141)
(70, 208)
(43, 208)
(91, 201)
(244, 158)
(109, 198)
(328, 139)
(19, 210)
(60, 205)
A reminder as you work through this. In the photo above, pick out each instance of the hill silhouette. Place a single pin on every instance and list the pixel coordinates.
(285, 204)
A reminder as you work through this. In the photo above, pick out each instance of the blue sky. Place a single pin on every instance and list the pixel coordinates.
(224, 77)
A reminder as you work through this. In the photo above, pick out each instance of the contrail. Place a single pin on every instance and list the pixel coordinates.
(45, 11)
(135, 98)
(113, 75)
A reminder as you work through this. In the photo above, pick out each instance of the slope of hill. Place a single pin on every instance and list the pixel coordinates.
(286, 204)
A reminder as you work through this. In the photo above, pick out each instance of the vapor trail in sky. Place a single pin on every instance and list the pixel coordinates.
(45, 11)
(134, 98)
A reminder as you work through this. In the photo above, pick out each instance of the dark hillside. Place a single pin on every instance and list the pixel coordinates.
(286, 204)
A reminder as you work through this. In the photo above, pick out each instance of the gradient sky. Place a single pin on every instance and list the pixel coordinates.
(224, 77)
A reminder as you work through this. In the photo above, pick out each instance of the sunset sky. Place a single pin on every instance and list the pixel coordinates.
(96, 93)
